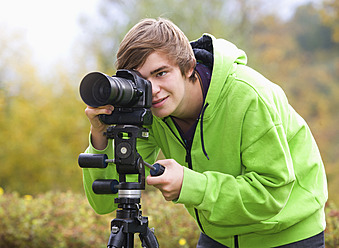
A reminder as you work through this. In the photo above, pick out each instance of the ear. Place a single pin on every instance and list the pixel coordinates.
(191, 70)
(189, 73)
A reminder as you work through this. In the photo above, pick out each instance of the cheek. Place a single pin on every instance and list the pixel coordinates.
(180, 93)
(177, 85)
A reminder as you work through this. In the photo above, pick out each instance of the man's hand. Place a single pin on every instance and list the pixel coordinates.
(97, 127)
(170, 182)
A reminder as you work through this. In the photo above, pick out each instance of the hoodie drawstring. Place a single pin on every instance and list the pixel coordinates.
(202, 131)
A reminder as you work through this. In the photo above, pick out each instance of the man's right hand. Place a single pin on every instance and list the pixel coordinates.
(99, 141)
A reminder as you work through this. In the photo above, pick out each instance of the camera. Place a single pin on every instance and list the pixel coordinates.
(130, 94)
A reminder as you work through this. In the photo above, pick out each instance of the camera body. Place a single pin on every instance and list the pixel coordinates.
(130, 94)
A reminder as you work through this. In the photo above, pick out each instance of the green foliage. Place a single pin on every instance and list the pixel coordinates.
(50, 220)
(232, 19)
(65, 220)
(173, 225)
(42, 130)
(330, 16)
(57, 219)
(310, 32)
(332, 229)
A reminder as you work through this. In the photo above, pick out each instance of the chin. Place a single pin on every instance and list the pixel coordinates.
(159, 114)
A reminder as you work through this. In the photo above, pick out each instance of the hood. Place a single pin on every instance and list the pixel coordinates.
(222, 56)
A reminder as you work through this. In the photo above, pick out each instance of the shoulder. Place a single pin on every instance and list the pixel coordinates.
(256, 85)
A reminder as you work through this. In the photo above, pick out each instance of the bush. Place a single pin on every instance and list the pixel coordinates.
(174, 227)
(332, 229)
(50, 220)
(62, 220)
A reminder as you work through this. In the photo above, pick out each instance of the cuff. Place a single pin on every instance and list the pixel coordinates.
(193, 188)
(92, 149)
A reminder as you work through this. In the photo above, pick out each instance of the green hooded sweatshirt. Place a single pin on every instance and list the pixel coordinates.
(254, 176)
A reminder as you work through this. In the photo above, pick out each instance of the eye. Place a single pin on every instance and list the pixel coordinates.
(161, 74)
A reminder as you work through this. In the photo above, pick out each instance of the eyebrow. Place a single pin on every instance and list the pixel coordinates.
(159, 69)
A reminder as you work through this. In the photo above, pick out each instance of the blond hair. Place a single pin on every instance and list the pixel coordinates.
(150, 35)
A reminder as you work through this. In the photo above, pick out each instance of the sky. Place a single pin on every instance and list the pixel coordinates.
(51, 27)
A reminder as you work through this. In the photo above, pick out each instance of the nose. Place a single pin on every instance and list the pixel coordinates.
(155, 89)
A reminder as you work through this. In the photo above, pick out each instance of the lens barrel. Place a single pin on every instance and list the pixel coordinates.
(98, 89)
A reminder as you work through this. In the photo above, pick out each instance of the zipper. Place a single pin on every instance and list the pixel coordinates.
(188, 160)
(236, 242)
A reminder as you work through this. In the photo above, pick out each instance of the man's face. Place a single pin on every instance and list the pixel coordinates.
(168, 85)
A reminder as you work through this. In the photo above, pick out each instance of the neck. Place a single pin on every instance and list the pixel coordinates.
(194, 102)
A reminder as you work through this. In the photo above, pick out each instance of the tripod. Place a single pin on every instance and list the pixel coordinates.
(129, 219)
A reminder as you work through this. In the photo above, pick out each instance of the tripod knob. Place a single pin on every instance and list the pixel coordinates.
(105, 186)
(87, 160)
(158, 170)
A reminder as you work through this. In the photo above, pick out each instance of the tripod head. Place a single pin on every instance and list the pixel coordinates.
(128, 161)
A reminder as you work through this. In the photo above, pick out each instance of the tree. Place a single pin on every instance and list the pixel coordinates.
(42, 131)
(310, 32)
(330, 17)
(224, 19)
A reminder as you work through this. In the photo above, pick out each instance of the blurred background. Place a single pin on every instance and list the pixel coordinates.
(46, 47)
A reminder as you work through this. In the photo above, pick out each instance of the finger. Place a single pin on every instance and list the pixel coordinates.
(110, 107)
(94, 112)
(169, 197)
(100, 108)
(166, 162)
(154, 181)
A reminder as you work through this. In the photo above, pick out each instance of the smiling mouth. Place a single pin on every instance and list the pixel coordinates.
(159, 101)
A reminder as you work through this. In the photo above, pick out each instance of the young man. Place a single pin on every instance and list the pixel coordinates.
(240, 159)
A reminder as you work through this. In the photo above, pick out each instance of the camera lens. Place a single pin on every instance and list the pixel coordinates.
(101, 90)
(98, 89)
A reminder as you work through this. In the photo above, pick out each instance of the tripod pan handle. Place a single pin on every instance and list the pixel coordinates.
(87, 160)
(158, 170)
(105, 186)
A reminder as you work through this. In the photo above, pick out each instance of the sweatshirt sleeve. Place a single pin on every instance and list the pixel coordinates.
(263, 187)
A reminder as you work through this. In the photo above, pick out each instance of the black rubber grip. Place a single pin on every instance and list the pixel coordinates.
(159, 170)
(105, 186)
(87, 160)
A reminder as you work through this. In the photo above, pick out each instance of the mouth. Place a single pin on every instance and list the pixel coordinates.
(159, 102)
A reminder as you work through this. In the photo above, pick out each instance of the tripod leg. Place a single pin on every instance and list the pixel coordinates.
(117, 238)
(130, 240)
(148, 239)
